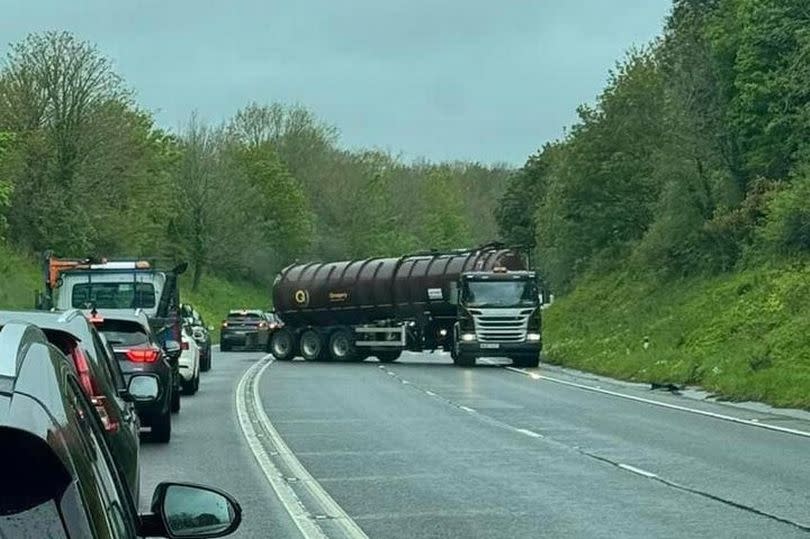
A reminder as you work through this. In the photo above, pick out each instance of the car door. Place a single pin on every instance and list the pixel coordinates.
(113, 510)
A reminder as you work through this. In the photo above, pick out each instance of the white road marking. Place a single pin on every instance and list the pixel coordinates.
(705, 413)
(428, 392)
(638, 471)
(285, 493)
(531, 433)
(292, 504)
(467, 409)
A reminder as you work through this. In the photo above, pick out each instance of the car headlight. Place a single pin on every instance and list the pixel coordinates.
(468, 337)
(533, 337)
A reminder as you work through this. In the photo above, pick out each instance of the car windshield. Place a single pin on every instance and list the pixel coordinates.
(122, 295)
(245, 316)
(123, 333)
(499, 293)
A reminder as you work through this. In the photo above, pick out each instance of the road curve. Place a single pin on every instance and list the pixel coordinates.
(424, 449)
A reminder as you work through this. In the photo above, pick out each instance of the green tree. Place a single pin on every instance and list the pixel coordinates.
(443, 222)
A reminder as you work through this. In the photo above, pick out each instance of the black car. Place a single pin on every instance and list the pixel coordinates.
(100, 377)
(60, 479)
(245, 328)
(137, 351)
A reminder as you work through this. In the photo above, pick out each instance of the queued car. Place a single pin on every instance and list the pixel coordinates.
(137, 352)
(247, 328)
(60, 479)
(100, 378)
(189, 363)
(201, 333)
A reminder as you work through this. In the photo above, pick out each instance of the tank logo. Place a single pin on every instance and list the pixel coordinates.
(338, 297)
(301, 297)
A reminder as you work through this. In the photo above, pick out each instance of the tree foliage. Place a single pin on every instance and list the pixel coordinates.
(694, 155)
(85, 171)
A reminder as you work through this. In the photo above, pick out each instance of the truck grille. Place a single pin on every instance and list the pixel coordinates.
(501, 325)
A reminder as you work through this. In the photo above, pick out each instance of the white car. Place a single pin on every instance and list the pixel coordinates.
(189, 364)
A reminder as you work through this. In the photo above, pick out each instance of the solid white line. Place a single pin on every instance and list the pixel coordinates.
(299, 515)
(722, 417)
(531, 433)
(467, 409)
(335, 511)
(638, 471)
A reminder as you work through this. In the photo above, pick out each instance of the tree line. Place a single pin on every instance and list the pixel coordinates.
(694, 159)
(85, 170)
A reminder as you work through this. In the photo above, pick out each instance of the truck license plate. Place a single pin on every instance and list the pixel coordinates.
(490, 345)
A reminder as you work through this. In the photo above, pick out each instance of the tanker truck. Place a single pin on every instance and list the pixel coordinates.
(481, 302)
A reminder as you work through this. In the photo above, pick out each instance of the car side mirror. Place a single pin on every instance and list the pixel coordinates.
(190, 511)
(143, 387)
(172, 348)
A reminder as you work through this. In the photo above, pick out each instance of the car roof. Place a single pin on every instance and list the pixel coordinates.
(32, 374)
(71, 321)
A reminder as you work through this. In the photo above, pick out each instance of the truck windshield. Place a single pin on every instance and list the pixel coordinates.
(125, 295)
(500, 294)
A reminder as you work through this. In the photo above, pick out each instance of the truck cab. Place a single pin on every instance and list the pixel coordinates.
(498, 316)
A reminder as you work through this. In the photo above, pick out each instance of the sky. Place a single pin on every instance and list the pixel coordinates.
(476, 80)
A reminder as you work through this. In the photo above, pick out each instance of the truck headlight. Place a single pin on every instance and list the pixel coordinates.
(533, 337)
(468, 337)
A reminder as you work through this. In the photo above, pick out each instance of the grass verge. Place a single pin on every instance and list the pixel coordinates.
(744, 336)
(20, 277)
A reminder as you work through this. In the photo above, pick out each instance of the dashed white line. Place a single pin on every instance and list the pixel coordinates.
(531, 433)
(696, 411)
(637, 471)
(428, 392)
(467, 409)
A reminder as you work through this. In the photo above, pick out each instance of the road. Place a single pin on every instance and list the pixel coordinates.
(421, 448)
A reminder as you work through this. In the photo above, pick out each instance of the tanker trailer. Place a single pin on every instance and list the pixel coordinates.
(473, 303)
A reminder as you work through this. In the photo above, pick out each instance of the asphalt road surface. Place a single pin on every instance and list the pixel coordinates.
(420, 448)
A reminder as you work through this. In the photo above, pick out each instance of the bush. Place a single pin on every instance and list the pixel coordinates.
(787, 226)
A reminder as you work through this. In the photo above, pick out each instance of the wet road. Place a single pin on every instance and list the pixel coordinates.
(424, 449)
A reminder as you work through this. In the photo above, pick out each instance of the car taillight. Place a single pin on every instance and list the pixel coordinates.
(184, 345)
(142, 355)
(83, 370)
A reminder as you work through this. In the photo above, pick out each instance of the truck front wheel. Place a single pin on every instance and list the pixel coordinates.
(526, 362)
(311, 345)
(282, 344)
(341, 346)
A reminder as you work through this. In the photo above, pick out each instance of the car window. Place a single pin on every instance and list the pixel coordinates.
(106, 355)
(124, 333)
(124, 295)
(246, 316)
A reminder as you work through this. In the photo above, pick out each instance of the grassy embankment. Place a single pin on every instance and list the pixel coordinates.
(20, 276)
(744, 336)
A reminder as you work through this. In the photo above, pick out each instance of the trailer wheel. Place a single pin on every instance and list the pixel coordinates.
(311, 345)
(341, 346)
(282, 344)
(388, 357)
(464, 360)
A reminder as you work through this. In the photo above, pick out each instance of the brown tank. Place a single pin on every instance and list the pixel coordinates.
(362, 291)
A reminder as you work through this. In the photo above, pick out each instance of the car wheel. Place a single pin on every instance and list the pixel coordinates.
(175, 401)
(206, 364)
(311, 345)
(282, 344)
(162, 428)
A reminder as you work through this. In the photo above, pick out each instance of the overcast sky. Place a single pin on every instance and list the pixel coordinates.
(481, 80)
